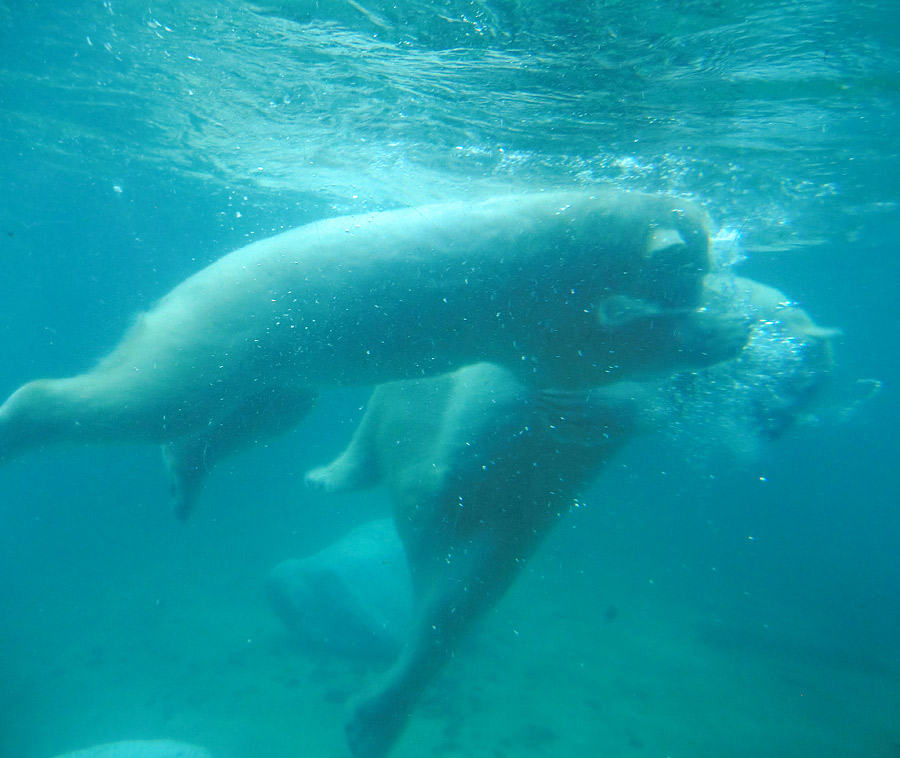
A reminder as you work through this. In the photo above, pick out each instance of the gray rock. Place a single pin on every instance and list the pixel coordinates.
(141, 749)
(354, 597)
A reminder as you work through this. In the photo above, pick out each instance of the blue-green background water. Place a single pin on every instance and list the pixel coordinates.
(139, 142)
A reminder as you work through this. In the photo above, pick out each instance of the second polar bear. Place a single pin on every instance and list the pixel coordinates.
(480, 467)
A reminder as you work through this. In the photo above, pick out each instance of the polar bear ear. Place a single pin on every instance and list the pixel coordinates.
(663, 240)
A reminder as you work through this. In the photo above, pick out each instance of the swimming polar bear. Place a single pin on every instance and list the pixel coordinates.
(480, 467)
(565, 288)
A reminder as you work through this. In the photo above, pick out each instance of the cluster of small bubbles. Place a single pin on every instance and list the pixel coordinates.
(732, 407)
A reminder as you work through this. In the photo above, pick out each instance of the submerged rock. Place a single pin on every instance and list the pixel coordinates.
(354, 596)
(141, 749)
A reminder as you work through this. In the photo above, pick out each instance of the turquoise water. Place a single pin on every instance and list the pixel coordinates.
(758, 595)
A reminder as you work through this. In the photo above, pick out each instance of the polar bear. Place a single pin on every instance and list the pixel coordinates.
(564, 288)
(480, 467)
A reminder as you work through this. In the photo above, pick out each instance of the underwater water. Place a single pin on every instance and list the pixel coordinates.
(714, 595)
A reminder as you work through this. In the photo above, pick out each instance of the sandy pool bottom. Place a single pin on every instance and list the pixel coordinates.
(544, 676)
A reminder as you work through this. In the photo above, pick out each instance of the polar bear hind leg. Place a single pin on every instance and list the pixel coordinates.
(258, 419)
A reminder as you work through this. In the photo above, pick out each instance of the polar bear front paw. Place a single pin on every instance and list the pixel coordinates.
(348, 472)
(324, 479)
